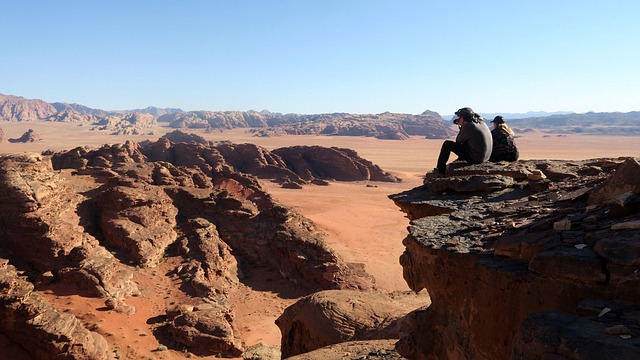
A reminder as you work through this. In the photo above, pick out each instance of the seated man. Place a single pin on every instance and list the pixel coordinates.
(473, 143)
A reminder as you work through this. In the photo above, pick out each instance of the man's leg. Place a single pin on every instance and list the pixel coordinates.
(447, 148)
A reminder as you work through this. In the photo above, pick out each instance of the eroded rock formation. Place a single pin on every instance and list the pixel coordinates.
(128, 124)
(513, 254)
(88, 218)
(316, 162)
(27, 137)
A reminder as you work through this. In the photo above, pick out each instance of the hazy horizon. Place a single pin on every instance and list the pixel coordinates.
(364, 57)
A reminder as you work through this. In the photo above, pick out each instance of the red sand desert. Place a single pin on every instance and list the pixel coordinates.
(360, 223)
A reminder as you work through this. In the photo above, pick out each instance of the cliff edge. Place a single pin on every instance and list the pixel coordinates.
(526, 260)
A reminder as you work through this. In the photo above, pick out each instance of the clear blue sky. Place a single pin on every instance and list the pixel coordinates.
(304, 56)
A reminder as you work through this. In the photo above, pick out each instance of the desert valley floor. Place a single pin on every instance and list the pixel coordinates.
(361, 223)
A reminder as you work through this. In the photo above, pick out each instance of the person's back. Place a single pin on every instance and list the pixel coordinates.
(479, 140)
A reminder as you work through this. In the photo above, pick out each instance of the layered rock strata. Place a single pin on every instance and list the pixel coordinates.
(509, 252)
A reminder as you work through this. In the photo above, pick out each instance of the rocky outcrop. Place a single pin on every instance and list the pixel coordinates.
(128, 124)
(138, 221)
(495, 244)
(178, 136)
(258, 161)
(316, 162)
(27, 137)
(42, 330)
(41, 225)
(290, 166)
(331, 317)
(1, 136)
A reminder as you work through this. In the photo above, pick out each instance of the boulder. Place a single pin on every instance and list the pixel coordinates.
(331, 317)
(204, 329)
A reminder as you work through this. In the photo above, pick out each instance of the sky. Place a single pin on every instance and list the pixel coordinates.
(311, 57)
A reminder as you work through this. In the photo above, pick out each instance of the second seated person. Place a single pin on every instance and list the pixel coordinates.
(473, 143)
(504, 145)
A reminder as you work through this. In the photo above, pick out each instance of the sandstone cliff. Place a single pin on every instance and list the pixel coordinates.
(526, 260)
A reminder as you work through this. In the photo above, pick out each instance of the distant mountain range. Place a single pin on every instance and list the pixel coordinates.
(264, 123)
(507, 116)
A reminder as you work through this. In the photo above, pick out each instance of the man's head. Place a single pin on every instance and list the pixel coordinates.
(468, 115)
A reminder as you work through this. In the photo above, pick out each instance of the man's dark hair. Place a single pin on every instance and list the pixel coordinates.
(469, 115)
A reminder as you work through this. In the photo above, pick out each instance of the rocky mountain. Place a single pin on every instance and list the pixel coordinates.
(155, 111)
(80, 109)
(527, 115)
(264, 123)
(17, 108)
(1, 136)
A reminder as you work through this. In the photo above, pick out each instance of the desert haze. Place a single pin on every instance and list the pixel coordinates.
(361, 223)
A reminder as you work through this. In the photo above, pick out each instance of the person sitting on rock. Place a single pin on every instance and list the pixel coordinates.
(473, 143)
(504, 145)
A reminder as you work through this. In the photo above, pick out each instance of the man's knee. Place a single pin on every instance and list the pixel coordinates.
(448, 145)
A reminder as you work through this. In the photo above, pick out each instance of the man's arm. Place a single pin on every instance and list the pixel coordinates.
(464, 134)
